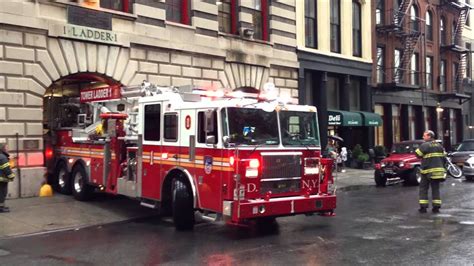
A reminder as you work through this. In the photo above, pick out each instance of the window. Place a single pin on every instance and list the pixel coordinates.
(469, 61)
(178, 11)
(429, 26)
(119, 5)
(455, 77)
(152, 122)
(354, 95)
(468, 18)
(311, 25)
(453, 33)
(442, 32)
(333, 92)
(380, 65)
(442, 75)
(260, 19)
(414, 18)
(398, 75)
(335, 26)
(202, 128)
(356, 29)
(227, 16)
(379, 12)
(171, 127)
(429, 72)
(379, 132)
(414, 70)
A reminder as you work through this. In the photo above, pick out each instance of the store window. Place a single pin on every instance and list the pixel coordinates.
(311, 23)
(429, 72)
(442, 75)
(260, 19)
(333, 90)
(335, 19)
(396, 123)
(380, 65)
(379, 132)
(178, 11)
(354, 95)
(429, 26)
(227, 16)
(118, 5)
(356, 29)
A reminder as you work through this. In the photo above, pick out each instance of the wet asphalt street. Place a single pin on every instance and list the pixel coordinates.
(373, 226)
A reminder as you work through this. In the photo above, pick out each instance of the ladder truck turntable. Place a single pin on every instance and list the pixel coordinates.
(237, 155)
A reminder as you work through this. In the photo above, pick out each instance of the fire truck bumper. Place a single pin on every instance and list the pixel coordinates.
(275, 207)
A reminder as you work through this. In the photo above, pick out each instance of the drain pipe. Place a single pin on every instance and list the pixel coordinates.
(17, 164)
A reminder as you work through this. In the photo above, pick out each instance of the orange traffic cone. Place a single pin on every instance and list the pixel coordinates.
(46, 190)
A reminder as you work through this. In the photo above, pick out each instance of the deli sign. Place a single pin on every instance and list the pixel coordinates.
(100, 94)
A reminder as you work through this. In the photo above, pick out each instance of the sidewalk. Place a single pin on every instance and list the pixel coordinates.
(48, 214)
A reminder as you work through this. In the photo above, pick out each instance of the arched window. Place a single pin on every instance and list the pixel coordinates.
(414, 18)
(429, 26)
(442, 31)
(356, 29)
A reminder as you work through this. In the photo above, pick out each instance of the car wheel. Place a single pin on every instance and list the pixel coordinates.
(414, 178)
(380, 179)
(81, 190)
(62, 179)
(182, 205)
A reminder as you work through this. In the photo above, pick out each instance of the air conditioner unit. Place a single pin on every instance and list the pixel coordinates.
(247, 32)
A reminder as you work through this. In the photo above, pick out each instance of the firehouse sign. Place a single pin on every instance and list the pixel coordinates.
(100, 94)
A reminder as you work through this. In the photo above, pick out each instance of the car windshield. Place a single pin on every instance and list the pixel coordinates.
(299, 128)
(405, 148)
(466, 146)
(248, 126)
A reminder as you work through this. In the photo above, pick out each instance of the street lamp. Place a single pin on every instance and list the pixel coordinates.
(439, 109)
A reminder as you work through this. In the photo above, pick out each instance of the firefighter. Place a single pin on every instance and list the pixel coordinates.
(432, 171)
(6, 175)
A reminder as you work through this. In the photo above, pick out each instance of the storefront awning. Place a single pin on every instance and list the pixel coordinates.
(344, 118)
(371, 119)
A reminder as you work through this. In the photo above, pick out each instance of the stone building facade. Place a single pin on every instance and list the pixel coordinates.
(49, 44)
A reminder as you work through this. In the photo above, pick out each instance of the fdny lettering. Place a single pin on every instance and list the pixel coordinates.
(251, 187)
(99, 94)
(310, 183)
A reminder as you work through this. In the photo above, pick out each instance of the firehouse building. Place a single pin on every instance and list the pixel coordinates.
(50, 51)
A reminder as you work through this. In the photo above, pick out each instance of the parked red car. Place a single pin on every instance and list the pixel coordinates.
(402, 163)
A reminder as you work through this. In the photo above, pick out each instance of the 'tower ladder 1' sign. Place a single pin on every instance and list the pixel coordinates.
(100, 94)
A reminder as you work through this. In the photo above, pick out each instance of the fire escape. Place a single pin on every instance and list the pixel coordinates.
(455, 45)
(399, 23)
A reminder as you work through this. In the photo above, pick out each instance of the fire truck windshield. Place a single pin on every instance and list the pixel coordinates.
(248, 126)
(299, 128)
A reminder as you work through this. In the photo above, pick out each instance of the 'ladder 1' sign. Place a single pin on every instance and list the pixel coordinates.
(100, 94)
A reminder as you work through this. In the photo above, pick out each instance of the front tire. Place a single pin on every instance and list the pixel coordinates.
(182, 205)
(81, 190)
(414, 178)
(380, 179)
(454, 171)
(62, 179)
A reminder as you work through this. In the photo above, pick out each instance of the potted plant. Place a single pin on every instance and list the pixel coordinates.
(380, 153)
(363, 161)
(356, 152)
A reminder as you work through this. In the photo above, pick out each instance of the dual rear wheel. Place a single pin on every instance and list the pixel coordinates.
(75, 183)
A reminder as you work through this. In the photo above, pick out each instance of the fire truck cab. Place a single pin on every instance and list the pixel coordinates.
(238, 155)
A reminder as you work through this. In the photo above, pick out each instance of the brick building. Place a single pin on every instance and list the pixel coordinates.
(420, 62)
(49, 49)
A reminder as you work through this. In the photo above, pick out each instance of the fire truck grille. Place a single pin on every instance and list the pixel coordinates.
(281, 166)
(280, 186)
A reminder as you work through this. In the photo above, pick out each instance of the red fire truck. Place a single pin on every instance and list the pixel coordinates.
(238, 155)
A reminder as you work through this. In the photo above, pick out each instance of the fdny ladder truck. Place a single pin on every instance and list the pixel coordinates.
(238, 155)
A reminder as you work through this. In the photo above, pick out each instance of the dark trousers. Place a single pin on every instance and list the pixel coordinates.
(3, 193)
(425, 184)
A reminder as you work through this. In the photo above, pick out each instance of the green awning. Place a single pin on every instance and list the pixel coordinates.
(371, 119)
(344, 118)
